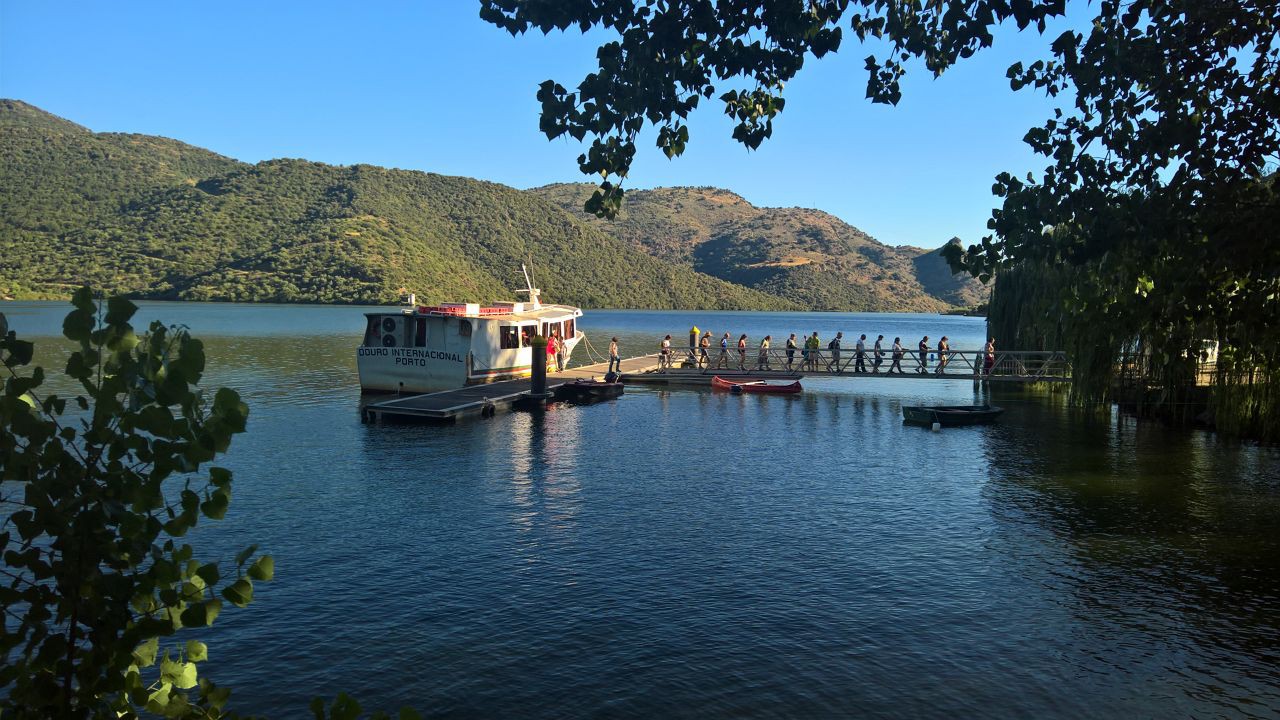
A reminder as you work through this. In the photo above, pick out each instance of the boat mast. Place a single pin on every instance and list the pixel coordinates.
(533, 291)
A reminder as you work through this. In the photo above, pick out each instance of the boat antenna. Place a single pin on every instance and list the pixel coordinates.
(533, 291)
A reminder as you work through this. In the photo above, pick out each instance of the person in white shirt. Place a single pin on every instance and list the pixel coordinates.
(861, 353)
(664, 357)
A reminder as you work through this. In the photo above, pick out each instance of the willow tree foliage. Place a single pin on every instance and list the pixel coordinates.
(1158, 185)
(102, 600)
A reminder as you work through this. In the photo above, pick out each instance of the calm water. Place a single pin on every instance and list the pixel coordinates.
(690, 554)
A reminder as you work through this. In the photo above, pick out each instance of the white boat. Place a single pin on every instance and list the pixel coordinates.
(424, 348)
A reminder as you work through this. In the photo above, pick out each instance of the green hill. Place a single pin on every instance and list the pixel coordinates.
(804, 255)
(156, 218)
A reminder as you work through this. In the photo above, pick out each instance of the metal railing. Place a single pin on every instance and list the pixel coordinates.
(1013, 365)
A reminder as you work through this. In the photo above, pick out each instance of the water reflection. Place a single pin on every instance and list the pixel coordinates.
(684, 553)
(1160, 546)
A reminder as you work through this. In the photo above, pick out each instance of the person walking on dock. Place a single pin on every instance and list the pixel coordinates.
(562, 353)
(742, 352)
(551, 350)
(762, 362)
(811, 351)
(614, 360)
(989, 357)
(703, 344)
(791, 350)
(722, 362)
(664, 355)
(875, 364)
(859, 359)
(924, 355)
(834, 347)
(898, 352)
(943, 349)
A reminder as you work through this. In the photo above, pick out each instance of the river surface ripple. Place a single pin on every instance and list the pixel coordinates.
(693, 554)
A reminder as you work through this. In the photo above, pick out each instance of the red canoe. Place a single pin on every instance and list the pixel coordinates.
(756, 386)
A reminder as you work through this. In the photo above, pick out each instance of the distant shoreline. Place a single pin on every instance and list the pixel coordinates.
(965, 312)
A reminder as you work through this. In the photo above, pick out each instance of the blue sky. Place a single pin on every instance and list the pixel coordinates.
(428, 86)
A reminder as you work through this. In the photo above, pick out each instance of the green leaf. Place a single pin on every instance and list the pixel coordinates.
(239, 593)
(20, 352)
(170, 669)
(263, 568)
(79, 324)
(344, 708)
(220, 477)
(187, 678)
(119, 311)
(158, 700)
(197, 651)
(145, 654)
(245, 554)
(201, 614)
(209, 573)
(216, 506)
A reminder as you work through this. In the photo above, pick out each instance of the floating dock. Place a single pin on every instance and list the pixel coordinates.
(490, 398)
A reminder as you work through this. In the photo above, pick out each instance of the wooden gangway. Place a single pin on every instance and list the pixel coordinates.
(1012, 366)
(688, 368)
(448, 405)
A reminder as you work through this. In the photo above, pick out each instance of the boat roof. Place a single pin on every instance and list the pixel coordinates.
(501, 313)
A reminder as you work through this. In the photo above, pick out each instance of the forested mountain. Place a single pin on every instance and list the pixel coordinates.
(157, 218)
(808, 256)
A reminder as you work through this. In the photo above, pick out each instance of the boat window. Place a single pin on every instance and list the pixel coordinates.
(526, 334)
(371, 334)
(569, 329)
(510, 338)
(420, 338)
(464, 328)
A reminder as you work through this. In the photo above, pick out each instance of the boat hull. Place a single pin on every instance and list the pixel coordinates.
(950, 415)
(423, 370)
(757, 387)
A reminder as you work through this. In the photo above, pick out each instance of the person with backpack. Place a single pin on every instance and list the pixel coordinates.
(898, 353)
(792, 345)
(944, 355)
(879, 356)
(834, 347)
